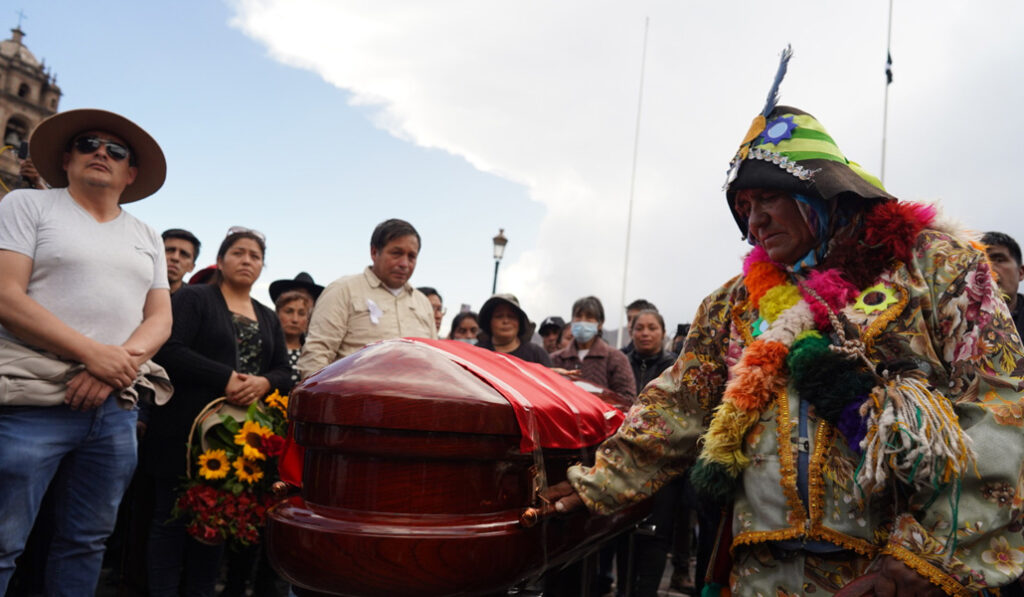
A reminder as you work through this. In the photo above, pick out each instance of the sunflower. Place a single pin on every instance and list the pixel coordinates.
(279, 402)
(213, 464)
(249, 438)
(247, 470)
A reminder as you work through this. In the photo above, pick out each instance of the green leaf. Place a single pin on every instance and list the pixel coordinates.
(230, 424)
(222, 436)
(262, 418)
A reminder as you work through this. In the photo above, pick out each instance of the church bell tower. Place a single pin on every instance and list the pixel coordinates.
(28, 94)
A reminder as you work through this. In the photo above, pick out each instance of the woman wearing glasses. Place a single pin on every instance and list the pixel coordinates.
(223, 343)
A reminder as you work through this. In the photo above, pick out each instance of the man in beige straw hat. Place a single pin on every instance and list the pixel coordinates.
(83, 306)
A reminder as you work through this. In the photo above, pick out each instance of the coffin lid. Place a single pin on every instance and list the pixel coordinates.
(449, 386)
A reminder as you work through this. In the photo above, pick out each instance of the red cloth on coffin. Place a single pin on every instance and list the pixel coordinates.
(552, 411)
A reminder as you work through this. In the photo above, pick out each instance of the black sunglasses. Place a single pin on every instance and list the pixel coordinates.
(89, 144)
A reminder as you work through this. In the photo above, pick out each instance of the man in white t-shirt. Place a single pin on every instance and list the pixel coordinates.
(83, 284)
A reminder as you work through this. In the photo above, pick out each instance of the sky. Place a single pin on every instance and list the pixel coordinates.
(313, 120)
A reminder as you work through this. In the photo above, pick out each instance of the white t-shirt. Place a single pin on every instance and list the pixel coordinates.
(93, 276)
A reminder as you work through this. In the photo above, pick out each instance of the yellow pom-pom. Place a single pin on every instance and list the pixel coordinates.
(777, 300)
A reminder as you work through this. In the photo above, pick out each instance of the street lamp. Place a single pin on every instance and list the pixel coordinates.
(499, 251)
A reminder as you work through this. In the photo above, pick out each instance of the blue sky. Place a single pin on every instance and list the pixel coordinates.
(312, 120)
(252, 142)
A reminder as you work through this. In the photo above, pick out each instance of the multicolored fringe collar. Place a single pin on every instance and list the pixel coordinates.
(797, 315)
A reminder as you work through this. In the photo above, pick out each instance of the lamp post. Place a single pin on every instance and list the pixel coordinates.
(499, 251)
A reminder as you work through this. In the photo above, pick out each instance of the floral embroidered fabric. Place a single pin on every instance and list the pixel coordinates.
(939, 314)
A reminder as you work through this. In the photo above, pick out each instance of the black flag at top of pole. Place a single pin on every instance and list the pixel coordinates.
(888, 68)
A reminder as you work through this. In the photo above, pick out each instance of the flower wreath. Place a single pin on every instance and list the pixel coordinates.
(893, 420)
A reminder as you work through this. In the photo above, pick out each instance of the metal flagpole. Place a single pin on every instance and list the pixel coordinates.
(632, 183)
(888, 81)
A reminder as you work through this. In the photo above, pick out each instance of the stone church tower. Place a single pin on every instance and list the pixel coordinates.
(28, 94)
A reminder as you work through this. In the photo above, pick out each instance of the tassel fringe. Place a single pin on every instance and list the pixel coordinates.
(913, 436)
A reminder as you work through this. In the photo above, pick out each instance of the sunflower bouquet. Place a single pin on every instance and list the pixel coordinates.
(232, 469)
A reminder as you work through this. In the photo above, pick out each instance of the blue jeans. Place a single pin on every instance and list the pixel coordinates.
(89, 457)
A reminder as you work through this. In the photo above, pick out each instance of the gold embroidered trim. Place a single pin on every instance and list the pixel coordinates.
(888, 315)
(754, 537)
(787, 469)
(823, 439)
(845, 541)
(933, 574)
(815, 478)
(737, 320)
(819, 534)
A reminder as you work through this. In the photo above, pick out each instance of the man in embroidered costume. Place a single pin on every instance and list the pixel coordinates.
(855, 388)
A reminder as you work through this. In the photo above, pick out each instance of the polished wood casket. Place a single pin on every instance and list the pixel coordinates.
(419, 479)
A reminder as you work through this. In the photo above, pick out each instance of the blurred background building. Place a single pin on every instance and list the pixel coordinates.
(28, 94)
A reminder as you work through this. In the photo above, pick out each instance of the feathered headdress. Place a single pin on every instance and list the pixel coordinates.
(788, 149)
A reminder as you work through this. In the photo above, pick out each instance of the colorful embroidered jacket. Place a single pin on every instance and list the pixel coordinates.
(942, 313)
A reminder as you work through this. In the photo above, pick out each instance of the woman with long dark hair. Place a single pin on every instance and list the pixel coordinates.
(223, 343)
(465, 327)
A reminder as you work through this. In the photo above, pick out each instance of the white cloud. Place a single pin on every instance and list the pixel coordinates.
(544, 94)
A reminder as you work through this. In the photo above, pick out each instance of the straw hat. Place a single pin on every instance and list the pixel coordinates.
(50, 140)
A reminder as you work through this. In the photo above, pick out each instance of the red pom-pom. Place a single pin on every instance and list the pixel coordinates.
(895, 225)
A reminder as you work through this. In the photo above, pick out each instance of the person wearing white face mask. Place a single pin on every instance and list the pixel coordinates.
(465, 328)
(596, 361)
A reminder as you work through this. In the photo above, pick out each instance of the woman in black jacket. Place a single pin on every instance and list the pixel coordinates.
(223, 343)
(648, 357)
(650, 551)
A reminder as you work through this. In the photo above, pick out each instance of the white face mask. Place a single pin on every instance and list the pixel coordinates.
(472, 341)
(584, 331)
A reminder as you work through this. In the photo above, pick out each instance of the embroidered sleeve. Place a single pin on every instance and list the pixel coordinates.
(965, 536)
(657, 441)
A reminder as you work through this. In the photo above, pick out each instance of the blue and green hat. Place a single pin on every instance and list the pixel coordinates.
(788, 149)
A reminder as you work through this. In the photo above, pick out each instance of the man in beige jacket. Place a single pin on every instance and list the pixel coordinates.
(374, 305)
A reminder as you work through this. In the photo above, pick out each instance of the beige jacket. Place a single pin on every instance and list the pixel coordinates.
(32, 378)
(358, 310)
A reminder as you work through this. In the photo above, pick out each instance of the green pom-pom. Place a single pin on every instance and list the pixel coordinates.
(806, 350)
(713, 481)
(828, 380)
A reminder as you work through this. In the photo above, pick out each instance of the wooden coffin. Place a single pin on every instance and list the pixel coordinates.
(415, 479)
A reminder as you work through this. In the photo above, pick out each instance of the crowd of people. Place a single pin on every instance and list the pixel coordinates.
(846, 410)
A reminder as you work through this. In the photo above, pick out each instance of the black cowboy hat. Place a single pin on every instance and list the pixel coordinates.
(302, 281)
